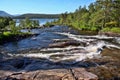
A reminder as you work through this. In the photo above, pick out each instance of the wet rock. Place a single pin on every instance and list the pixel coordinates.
(36, 66)
(17, 63)
(84, 64)
(14, 64)
(4, 73)
(7, 67)
(109, 65)
(61, 40)
(1, 56)
(65, 44)
(109, 34)
(42, 65)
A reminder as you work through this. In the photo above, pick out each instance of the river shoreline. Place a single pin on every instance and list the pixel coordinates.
(16, 38)
(110, 34)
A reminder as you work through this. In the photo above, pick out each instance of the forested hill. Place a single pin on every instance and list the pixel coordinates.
(38, 16)
(5, 14)
(100, 15)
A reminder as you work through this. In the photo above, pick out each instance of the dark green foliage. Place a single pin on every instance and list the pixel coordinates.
(10, 32)
(28, 23)
(35, 23)
(4, 22)
(13, 28)
(98, 15)
(114, 30)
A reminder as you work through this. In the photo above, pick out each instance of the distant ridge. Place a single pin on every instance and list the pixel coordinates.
(5, 14)
(31, 15)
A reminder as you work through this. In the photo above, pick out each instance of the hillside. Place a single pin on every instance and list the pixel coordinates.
(5, 14)
(30, 15)
(38, 16)
(102, 15)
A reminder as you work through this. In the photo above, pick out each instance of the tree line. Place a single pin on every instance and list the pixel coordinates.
(28, 23)
(8, 24)
(100, 15)
(37, 16)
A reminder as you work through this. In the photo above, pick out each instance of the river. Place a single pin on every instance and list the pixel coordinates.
(61, 43)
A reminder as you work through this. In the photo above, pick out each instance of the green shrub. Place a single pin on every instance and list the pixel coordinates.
(106, 29)
(116, 30)
(7, 33)
(112, 23)
(94, 29)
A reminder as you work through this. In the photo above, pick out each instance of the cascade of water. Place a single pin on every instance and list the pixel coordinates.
(93, 45)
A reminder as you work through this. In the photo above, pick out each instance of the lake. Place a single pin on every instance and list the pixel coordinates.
(41, 21)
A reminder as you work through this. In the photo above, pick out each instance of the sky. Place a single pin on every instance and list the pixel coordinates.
(41, 6)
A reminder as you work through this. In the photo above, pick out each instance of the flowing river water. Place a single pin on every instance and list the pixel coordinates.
(61, 43)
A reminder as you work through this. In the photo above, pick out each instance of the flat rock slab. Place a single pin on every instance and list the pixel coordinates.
(82, 74)
(52, 74)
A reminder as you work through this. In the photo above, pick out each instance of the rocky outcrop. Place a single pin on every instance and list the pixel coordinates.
(109, 34)
(54, 74)
(41, 69)
(108, 65)
(66, 43)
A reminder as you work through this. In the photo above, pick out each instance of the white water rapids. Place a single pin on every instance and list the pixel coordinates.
(93, 48)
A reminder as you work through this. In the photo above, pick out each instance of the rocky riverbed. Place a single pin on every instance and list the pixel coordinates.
(61, 53)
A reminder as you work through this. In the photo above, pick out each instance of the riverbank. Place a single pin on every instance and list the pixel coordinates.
(112, 34)
(9, 37)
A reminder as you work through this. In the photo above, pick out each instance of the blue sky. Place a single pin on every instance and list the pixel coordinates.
(42, 6)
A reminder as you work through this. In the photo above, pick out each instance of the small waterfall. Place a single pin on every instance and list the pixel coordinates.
(63, 45)
(92, 49)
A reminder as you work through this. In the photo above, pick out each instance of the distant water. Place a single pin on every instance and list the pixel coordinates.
(41, 21)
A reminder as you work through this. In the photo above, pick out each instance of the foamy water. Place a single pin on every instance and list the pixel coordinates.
(93, 49)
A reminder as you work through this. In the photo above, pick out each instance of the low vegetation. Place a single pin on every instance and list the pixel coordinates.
(114, 30)
(28, 23)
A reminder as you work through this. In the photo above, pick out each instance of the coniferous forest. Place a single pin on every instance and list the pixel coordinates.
(101, 15)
